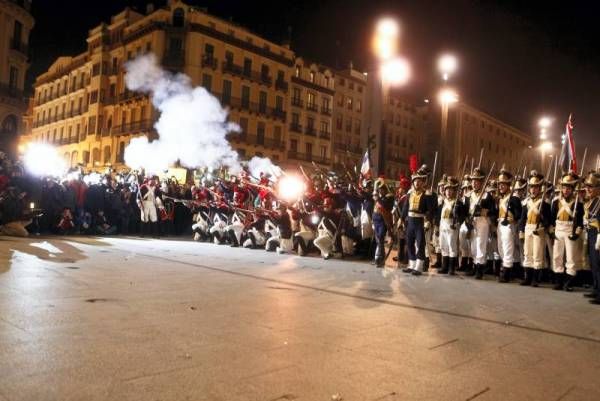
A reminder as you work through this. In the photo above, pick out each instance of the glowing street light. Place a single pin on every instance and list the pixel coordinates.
(447, 96)
(545, 122)
(386, 38)
(447, 64)
(396, 71)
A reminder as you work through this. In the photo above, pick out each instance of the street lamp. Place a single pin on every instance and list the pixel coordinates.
(544, 124)
(447, 64)
(545, 147)
(386, 38)
(395, 71)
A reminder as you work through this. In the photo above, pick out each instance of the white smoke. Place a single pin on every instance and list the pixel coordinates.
(192, 127)
(258, 165)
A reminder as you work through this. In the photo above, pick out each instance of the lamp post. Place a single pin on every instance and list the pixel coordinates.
(447, 65)
(393, 71)
(544, 124)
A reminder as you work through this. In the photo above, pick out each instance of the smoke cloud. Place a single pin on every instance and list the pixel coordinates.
(192, 127)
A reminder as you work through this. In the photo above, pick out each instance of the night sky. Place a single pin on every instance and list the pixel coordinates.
(518, 59)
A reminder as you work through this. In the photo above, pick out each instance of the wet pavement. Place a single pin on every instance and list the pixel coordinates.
(145, 319)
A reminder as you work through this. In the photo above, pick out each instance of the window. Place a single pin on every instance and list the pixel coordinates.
(121, 155)
(280, 76)
(358, 105)
(277, 134)
(209, 51)
(178, 17)
(310, 101)
(351, 85)
(226, 91)
(297, 71)
(264, 71)
(339, 122)
(325, 104)
(207, 82)
(341, 101)
(245, 96)
(96, 69)
(349, 125)
(262, 102)
(295, 119)
(294, 145)
(228, 58)
(244, 125)
(324, 127)
(13, 79)
(349, 103)
(312, 76)
(279, 103)
(323, 151)
(175, 45)
(247, 67)
(17, 34)
(357, 127)
(260, 133)
(112, 91)
(308, 147)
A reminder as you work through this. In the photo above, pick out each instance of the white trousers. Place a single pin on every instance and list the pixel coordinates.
(148, 212)
(564, 248)
(506, 244)
(464, 243)
(479, 240)
(324, 242)
(448, 239)
(533, 248)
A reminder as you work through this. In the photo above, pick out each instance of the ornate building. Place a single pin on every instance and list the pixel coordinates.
(15, 26)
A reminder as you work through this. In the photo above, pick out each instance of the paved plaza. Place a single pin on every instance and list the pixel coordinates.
(145, 319)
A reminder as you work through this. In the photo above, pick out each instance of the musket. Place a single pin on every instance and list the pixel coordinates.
(487, 180)
(480, 157)
(555, 168)
(572, 236)
(433, 173)
(304, 173)
(472, 162)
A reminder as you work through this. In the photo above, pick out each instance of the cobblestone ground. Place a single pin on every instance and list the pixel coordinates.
(130, 319)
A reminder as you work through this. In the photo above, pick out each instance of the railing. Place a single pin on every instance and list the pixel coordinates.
(296, 127)
(297, 102)
(281, 85)
(209, 61)
(248, 139)
(312, 107)
(174, 59)
(132, 128)
(17, 45)
(325, 134)
(311, 131)
(258, 108)
(346, 147)
(9, 91)
(231, 68)
(308, 157)
(326, 110)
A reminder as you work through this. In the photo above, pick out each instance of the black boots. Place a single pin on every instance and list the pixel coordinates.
(452, 267)
(504, 275)
(479, 269)
(568, 286)
(558, 281)
(497, 267)
(529, 279)
(445, 265)
(563, 281)
(438, 261)
(470, 271)
(464, 262)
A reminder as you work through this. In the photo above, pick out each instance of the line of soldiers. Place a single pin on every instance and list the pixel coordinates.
(505, 225)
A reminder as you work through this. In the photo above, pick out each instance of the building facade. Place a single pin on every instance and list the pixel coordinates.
(349, 141)
(311, 110)
(470, 130)
(82, 104)
(16, 24)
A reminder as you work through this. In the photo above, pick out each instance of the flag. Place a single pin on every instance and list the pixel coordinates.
(365, 167)
(568, 159)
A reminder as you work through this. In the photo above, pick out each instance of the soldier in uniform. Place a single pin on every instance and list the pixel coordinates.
(451, 215)
(533, 223)
(382, 218)
(509, 211)
(481, 206)
(328, 229)
(435, 237)
(418, 208)
(592, 187)
(464, 242)
(566, 228)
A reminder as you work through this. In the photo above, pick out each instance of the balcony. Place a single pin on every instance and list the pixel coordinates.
(297, 102)
(11, 91)
(295, 127)
(229, 67)
(208, 61)
(129, 95)
(174, 59)
(343, 147)
(311, 131)
(281, 85)
(132, 128)
(252, 107)
(19, 46)
(325, 135)
(326, 111)
(395, 159)
(255, 140)
(308, 157)
(312, 107)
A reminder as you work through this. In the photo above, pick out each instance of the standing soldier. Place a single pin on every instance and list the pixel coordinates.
(435, 238)
(566, 227)
(451, 215)
(534, 221)
(509, 211)
(382, 218)
(464, 242)
(415, 212)
(592, 187)
(481, 205)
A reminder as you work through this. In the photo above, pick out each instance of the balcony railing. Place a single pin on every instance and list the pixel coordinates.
(132, 128)
(347, 148)
(312, 107)
(255, 140)
(325, 134)
(311, 131)
(258, 108)
(229, 67)
(17, 45)
(174, 59)
(10, 91)
(308, 157)
(209, 61)
(326, 110)
(297, 102)
(281, 85)
(296, 127)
